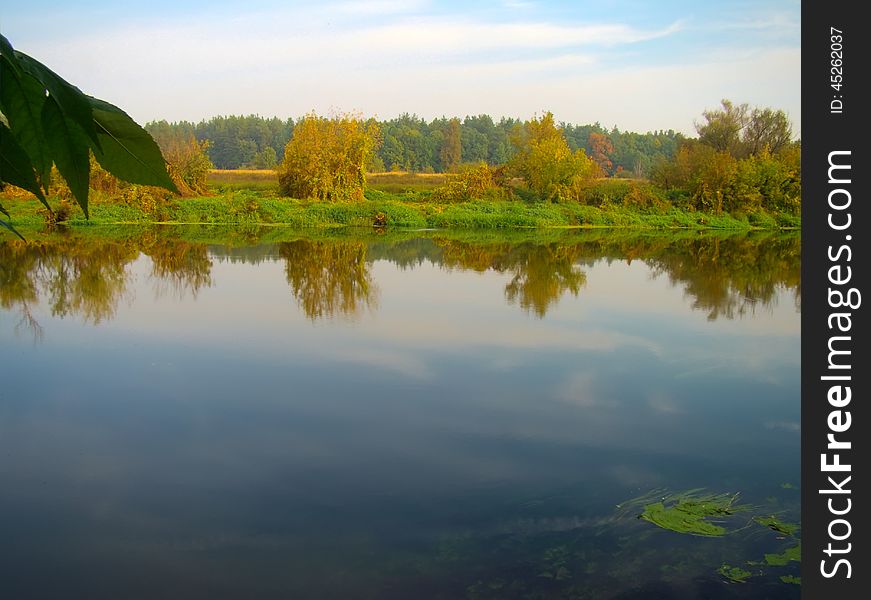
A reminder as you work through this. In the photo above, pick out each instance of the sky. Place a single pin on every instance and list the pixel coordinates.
(639, 66)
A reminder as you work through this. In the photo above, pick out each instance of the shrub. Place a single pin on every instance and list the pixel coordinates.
(326, 159)
(477, 181)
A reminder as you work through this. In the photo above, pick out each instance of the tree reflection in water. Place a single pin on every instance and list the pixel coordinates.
(182, 267)
(329, 278)
(542, 273)
(725, 275)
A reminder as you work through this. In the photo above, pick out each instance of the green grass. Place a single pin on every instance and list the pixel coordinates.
(250, 197)
(611, 242)
(235, 207)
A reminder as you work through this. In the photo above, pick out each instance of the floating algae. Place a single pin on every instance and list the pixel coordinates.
(734, 574)
(703, 514)
(779, 560)
(777, 525)
(691, 513)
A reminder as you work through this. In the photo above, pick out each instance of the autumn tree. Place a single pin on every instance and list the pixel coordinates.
(187, 160)
(703, 173)
(547, 164)
(326, 158)
(601, 150)
(770, 181)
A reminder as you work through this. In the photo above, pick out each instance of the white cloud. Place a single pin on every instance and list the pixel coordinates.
(402, 363)
(433, 66)
(578, 390)
(777, 23)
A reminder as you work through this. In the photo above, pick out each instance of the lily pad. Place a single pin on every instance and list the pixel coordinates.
(790, 579)
(734, 574)
(790, 554)
(692, 514)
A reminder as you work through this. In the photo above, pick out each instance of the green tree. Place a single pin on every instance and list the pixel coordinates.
(46, 121)
(743, 132)
(767, 129)
(451, 153)
(265, 159)
(722, 128)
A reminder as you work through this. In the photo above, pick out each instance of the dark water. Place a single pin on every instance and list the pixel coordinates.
(397, 416)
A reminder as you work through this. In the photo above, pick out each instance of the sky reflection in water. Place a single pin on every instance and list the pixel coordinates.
(401, 417)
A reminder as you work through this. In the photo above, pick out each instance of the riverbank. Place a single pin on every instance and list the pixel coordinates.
(384, 210)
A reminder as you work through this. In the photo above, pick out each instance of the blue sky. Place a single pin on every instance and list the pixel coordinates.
(638, 65)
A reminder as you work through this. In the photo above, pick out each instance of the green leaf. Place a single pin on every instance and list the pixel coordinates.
(21, 99)
(15, 165)
(128, 152)
(69, 149)
(6, 224)
(7, 51)
(11, 228)
(72, 102)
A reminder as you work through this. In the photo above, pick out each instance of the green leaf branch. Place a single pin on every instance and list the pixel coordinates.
(45, 121)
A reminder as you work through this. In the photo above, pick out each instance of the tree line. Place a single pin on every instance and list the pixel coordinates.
(411, 143)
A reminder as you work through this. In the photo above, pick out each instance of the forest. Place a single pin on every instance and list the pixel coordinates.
(412, 144)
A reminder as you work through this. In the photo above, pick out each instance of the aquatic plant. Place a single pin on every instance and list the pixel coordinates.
(692, 513)
(782, 559)
(775, 524)
(734, 574)
(695, 512)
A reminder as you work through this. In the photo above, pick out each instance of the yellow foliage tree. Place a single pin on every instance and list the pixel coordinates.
(326, 158)
(546, 162)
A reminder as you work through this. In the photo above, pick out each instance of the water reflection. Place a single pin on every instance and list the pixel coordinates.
(182, 267)
(541, 273)
(725, 276)
(329, 278)
(74, 276)
(469, 438)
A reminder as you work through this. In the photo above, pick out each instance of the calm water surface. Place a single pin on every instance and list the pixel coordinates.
(396, 416)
